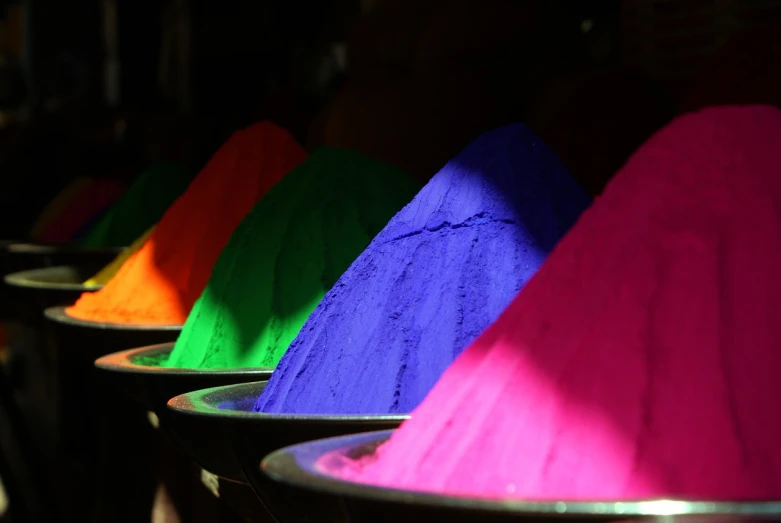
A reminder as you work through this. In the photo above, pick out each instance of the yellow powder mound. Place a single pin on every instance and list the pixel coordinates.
(108, 272)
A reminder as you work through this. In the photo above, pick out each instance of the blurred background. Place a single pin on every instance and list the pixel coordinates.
(106, 87)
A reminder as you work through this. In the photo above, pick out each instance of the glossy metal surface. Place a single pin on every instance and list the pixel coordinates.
(87, 397)
(252, 435)
(26, 256)
(58, 315)
(6, 267)
(68, 277)
(32, 291)
(139, 372)
(103, 437)
(315, 466)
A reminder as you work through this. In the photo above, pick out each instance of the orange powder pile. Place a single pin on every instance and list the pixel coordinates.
(159, 284)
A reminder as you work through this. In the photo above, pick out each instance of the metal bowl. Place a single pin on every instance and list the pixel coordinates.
(84, 398)
(252, 435)
(59, 316)
(27, 256)
(35, 290)
(32, 368)
(6, 267)
(315, 466)
(140, 373)
(105, 444)
(65, 277)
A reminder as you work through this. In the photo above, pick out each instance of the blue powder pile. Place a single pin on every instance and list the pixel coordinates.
(439, 273)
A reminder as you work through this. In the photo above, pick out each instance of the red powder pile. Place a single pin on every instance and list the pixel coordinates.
(160, 283)
(642, 359)
(88, 204)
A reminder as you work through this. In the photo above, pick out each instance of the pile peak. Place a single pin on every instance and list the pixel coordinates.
(641, 360)
(438, 274)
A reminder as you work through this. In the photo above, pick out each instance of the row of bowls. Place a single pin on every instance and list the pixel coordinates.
(209, 415)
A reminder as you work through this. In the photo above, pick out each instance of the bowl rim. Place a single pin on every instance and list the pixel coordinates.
(25, 280)
(296, 465)
(31, 247)
(203, 403)
(122, 362)
(58, 314)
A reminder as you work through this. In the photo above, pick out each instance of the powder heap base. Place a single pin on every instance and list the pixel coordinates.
(438, 274)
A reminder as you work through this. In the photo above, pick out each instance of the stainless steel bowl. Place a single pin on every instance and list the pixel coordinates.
(252, 435)
(315, 466)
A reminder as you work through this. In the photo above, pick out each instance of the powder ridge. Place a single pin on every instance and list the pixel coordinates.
(437, 275)
(106, 273)
(285, 255)
(641, 360)
(140, 207)
(159, 283)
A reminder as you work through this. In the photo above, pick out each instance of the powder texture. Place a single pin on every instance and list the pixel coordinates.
(286, 255)
(108, 272)
(140, 207)
(437, 275)
(91, 201)
(160, 282)
(642, 359)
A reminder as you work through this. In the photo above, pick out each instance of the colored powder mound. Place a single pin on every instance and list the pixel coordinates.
(286, 255)
(92, 201)
(159, 284)
(439, 273)
(108, 272)
(641, 361)
(140, 207)
(58, 204)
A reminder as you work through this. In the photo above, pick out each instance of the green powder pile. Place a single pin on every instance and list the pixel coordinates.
(286, 254)
(140, 207)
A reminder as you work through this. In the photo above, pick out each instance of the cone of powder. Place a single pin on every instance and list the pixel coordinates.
(58, 204)
(95, 199)
(642, 360)
(284, 257)
(439, 273)
(159, 284)
(108, 272)
(140, 207)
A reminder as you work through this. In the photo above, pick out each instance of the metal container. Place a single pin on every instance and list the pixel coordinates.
(252, 435)
(105, 443)
(28, 256)
(35, 290)
(315, 466)
(139, 373)
(78, 343)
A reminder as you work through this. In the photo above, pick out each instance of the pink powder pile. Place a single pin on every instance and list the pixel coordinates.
(642, 360)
